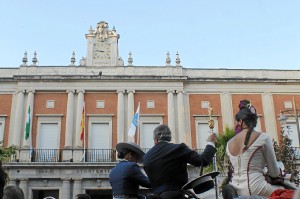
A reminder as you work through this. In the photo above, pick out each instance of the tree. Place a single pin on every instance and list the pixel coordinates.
(221, 159)
(286, 153)
(5, 153)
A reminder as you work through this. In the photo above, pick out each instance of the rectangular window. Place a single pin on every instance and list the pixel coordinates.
(50, 104)
(99, 143)
(99, 136)
(146, 135)
(203, 131)
(150, 104)
(1, 132)
(48, 143)
(100, 104)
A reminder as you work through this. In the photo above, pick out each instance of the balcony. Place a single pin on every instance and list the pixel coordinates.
(78, 155)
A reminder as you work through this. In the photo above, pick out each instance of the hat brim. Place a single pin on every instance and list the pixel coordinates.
(128, 146)
(201, 179)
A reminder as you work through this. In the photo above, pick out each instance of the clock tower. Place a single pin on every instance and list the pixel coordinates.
(102, 46)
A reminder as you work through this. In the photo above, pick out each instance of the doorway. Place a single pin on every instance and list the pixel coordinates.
(41, 194)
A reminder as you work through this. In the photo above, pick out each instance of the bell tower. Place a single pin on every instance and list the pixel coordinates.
(102, 46)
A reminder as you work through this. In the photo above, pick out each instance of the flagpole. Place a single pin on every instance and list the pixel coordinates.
(133, 126)
(84, 132)
(138, 127)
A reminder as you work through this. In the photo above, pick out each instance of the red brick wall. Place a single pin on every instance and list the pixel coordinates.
(279, 100)
(5, 109)
(111, 101)
(195, 109)
(60, 107)
(160, 100)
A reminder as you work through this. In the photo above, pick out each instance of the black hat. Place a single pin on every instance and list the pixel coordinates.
(202, 183)
(123, 146)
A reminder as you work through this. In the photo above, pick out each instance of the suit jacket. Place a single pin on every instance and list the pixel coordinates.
(166, 164)
(126, 177)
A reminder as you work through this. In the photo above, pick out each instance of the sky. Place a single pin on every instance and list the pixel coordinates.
(232, 34)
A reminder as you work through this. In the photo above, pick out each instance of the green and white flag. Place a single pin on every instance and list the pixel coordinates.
(27, 126)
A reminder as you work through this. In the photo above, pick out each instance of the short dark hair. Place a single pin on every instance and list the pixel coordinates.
(14, 192)
(2, 179)
(162, 133)
(83, 196)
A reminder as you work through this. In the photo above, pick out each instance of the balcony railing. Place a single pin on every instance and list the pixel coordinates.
(88, 155)
(46, 155)
(100, 155)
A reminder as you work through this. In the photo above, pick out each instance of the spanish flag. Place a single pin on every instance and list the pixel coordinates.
(82, 123)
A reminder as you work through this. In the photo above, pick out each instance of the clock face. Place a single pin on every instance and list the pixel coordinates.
(101, 51)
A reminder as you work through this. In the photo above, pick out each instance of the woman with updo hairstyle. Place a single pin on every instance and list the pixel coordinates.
(249, 153)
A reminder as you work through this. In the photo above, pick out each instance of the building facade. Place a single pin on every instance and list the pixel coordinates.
(42, 110)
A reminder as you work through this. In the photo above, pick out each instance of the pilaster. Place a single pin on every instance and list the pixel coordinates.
(120, 117)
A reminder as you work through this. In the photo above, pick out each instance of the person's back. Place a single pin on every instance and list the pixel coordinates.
(13, 192)
(249, 152)
(82, 196)
(166, 163)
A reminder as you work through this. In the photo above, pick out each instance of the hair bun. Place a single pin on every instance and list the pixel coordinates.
(246, 104)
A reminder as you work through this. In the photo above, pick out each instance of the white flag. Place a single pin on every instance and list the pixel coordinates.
(135, 122)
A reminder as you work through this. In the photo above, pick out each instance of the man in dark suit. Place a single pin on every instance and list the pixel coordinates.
(166, 163)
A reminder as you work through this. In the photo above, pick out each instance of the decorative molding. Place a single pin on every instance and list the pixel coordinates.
(49, 115)
(152, 115)
(100, 115)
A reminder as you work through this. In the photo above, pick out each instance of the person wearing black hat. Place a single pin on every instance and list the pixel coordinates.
(126, 177)
(166, 163)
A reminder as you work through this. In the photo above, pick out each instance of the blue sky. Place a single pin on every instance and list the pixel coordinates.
(253, 34)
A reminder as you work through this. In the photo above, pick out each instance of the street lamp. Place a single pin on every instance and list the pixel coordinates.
(282, 118)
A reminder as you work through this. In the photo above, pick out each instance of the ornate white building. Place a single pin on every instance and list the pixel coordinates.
(52, 159)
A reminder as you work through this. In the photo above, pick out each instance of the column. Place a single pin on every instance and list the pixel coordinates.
(130, 111)
(80, 100)
(77, 189)
(227, 110)
(171, 113)
(25, 155)
(18, 119)
(268, 110)
(24, 186)
(69, 120)
(29, 106)
(181, 117)
(120, 117)
(66, 189)
(67, 151)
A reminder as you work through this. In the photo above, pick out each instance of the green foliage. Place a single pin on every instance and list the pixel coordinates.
(286, 153)
(5, 153)
(222, 139)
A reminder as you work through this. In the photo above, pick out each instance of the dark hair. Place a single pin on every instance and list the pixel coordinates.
(162, 133)
(2, 179)
(122, 154)
(248, 115)
(83, 196)
(13, 192)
